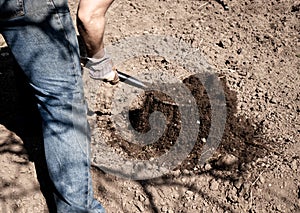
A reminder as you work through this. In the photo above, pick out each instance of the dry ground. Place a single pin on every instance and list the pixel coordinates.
(254, 46)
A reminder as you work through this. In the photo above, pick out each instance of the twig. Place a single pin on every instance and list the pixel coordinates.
(165, 13)
(251, 201)
(257, 178)
(203, 5)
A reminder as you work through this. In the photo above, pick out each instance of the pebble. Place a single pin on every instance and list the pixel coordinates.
(175, 194)
(176, 173)
(186, 172)
(232, 195)
(142, 198)
(227, 160)
(273, 100)
(189, 193)
(36, 196)
(294, 165)
(262, 179)
(164, 209)
(207, 167)
(214, 185)
(289, 106)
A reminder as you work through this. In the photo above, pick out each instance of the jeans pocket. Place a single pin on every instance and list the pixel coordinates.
(11, 9)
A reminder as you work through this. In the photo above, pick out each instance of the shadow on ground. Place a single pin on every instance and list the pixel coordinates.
(19, 114)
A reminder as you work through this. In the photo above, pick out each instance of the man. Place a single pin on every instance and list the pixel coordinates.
(42, 38)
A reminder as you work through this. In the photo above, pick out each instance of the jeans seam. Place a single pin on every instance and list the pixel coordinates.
(72, 56)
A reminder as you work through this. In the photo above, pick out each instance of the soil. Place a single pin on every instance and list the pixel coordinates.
(254, 48)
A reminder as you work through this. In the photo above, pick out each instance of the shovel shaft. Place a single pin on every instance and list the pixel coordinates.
(131, 80)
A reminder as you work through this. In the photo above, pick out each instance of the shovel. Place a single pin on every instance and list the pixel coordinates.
(125, 78)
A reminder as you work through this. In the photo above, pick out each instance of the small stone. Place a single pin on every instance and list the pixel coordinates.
(184, 179)
(214, 185)
(175, 194)
(273, 100)
(227, 160)
(207, 167)
(189, 193)
(176, 173)
(232, 195)
(142, 198)
(164, 209)
(294, 165)
(262, 179)
(186, 172)
(36, 197)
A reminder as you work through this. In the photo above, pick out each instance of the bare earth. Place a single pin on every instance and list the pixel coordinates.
(254, 46)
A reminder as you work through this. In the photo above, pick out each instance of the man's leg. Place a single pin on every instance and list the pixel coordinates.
(44, 43)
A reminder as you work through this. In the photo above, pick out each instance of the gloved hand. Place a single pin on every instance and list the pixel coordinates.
(101, 69)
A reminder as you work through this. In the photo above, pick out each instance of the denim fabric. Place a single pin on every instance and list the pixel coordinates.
(42, 38)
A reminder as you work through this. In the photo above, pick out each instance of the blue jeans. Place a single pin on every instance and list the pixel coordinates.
(42, 38)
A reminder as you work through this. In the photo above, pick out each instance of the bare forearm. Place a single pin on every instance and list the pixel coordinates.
(91, 24)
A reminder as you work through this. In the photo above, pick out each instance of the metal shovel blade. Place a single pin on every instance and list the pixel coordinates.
(131, 80)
